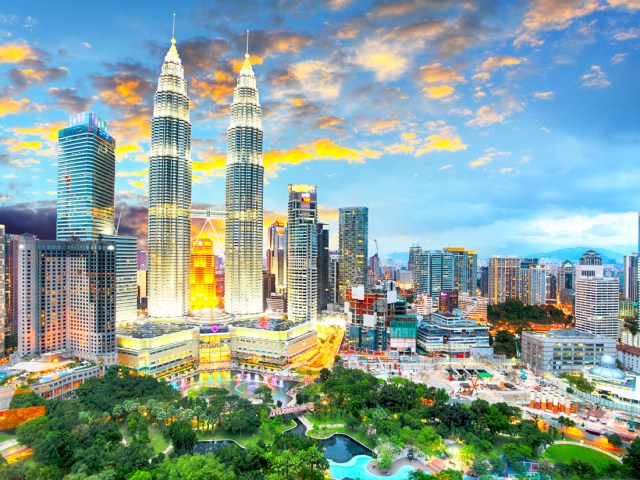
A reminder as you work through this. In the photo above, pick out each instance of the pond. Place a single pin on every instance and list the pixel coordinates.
(357, 468)
(240, 383)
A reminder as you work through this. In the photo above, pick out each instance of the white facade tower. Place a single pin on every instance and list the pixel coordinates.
(169, 244)
(244, 199)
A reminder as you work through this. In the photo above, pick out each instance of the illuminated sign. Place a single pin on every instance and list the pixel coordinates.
(306, 198)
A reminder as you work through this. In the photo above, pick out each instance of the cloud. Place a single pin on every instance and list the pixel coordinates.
(485, 116)
(217, 87)
(45, 131)
(330, 122)
(14, 52)
(85, 44)
(69, 100)
(547, 15)
(618, 58)
(439, 137)
(132, 132)
(36, 218)
(499, 61)
(446, 167)
(506, 170)
(387, 60)
(380, 126)
(489, 155)
(595, 78)
(323, 149)
(438, 73)
(544, 95)
(439, 92)
(123, 90)
(17, 145)
(318, 79)
(628, 4)
(37, 72)
(10, 106)
(624, 35)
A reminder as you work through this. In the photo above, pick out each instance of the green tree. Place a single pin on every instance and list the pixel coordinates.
(194, 467)
(631, 461)
(615, 440)
(265, 394)
(27, 399)
(182, 437)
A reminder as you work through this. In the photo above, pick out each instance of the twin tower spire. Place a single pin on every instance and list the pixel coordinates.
(170, 178)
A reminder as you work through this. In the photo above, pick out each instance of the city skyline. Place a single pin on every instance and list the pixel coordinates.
(497, 119)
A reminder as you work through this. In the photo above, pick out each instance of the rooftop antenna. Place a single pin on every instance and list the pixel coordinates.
(246, 53)
(173, 30)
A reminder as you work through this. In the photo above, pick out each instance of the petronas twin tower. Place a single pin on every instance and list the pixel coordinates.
(169, 234)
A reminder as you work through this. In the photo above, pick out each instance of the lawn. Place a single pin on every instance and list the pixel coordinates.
(4, 436)
(564, 453)
(243, 438)
(323, 432)
(157, 441)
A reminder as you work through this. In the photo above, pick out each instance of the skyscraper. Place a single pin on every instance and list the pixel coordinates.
(277, 254)
(86, 178)
(596, 296)
(302, 255)
(244, 198)
(464, 269)
(630, 277)
(86, 184)
(3, 306)
(323, 266)
(170, 193)
(503, 279)
(353, 238)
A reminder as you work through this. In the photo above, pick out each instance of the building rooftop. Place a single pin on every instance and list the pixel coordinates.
(264, 323)
(607, 369)
(151, 329)
(572, 333)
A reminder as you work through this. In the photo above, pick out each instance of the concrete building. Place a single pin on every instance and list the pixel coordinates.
(368, 314)
(503, 279)
(474, 308)
(3, 306)
(302, 254)
(559, 351)
(402, 334)
(334, 259)
(596, 298)
(465, 264)
(277, 254)
(629, 356)
(630, 277)
(353, 238)
(323, 266)
(215, 346)
(451, 334)
(65, 298)
(158, 348)
(532, 283)
(271, 343)
(566, 283)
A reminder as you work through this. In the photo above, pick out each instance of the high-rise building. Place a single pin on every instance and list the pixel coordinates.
(552, 288)
(533, 283)
(323, 266)
(484, 281)
(442, 272)
(421, 263)
(86, 182)
(244, 199)
(169, 236)
(353, 239)
(630, 277)
(503, 279)
(465, 264)
(86, 178)
(302, 254)
(334, 259)
(277, 254)
(203, 275)
(3, 307)
(596, 298)
(566, 283)
(65, 297)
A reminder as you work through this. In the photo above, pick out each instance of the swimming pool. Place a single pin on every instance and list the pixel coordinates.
(357, 468)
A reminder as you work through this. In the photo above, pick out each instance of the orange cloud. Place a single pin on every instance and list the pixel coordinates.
(48, 132)
(14, 52)
(126, 92)
(213, 165)
(10, 106)
(15, 145)
(629, 4)
(381, 126)
(324, 149)
(236, 64)
(499, 61)
(438, 73)
(552, 15)
(439, 91)
(330, 122)
(485, 116)
(217, 87)
(133, 130)
(441, 138)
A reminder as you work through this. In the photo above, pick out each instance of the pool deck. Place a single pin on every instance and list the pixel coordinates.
(397, 464)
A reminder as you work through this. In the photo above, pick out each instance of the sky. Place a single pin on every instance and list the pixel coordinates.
(506, 127)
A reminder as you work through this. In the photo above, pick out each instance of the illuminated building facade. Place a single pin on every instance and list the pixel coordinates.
(203, 275)
(65, 298)
(169, 236)
(277, 254)
(244, 199)
(302, 254)
(566, 283)
(353, 243)
(465, 265)
(3, 306)
(504, 275)
(368, 318)
(323, 266)
(630, 277)
(86, 178)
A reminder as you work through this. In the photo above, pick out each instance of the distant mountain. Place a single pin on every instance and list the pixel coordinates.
(574, 254)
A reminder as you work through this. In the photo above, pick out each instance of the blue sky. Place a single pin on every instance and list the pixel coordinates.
(503, 127)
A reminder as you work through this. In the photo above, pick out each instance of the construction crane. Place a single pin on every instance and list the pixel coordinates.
(473, 387)
(522, 374)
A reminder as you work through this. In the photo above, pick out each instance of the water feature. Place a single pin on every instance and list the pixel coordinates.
(212, 446)
(357, 468)
(240, 383)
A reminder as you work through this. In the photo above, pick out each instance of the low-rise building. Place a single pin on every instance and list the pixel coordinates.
(629, 355)
(158, 348)
(271, 342)
(559, 351)
(451, 334)
(612, 383)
